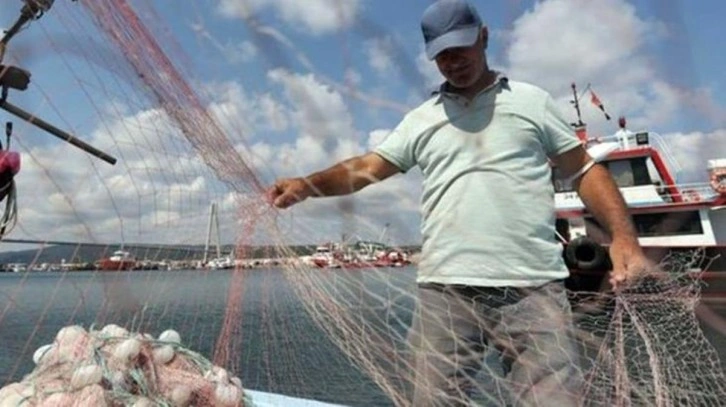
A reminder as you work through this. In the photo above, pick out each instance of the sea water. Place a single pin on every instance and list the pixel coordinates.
(280, 348)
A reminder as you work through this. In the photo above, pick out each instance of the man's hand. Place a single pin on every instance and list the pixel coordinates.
(629, 263)
(289, 191)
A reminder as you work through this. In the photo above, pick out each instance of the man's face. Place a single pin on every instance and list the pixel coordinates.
(462, 66)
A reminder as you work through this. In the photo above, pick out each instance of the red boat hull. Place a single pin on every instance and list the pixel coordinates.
(115, 265)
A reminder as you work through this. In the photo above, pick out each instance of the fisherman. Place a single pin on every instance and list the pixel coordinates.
(491, 273)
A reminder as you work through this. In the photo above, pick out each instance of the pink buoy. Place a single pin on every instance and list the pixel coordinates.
(9, 161)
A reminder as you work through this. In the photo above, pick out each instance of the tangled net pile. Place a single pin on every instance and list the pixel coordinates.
(653, 351)
(114, 367)
(641, 347)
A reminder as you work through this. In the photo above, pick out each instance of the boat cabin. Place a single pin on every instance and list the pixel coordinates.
(666, 214)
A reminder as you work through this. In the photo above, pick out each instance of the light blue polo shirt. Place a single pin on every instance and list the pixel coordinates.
(488, 202)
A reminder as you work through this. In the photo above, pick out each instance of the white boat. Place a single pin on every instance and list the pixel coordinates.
(361, 254)
(326, 256)
(17, 267)
(669, 217)
(221, 263)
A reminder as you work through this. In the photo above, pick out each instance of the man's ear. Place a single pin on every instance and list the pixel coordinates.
(485, 36)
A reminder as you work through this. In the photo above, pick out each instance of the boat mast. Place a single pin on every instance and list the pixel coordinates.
(576, 102)
(579, 125)
(213, 222)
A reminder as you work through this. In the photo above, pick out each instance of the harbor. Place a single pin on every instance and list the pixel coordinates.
(328, 255)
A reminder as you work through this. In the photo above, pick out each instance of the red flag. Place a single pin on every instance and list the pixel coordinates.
(595, 100)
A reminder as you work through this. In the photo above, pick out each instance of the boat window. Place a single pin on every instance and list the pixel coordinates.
(630, 172)
(641, 175)
(626, 173)
(654, 225)
(621, 172)
(668, 224)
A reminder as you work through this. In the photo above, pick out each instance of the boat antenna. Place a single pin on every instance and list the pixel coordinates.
(12, 77)
(576, 102)
(32, 10)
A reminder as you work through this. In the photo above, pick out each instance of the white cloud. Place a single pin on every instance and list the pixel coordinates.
(353, 77)
(234, 53)
(314, 16)
(376, 137)
(693, 150)
(379, 51)
(158, 192)
(274, 113)
(560, 41)
(245, 51)
(318, 110)
(243, 115)
(605, 43)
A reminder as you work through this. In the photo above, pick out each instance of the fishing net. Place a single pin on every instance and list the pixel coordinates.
(167, 279)
(114, 367)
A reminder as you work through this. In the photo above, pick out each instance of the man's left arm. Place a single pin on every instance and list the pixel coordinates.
(603, 200)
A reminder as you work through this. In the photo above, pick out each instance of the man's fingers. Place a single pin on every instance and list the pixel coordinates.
(617, 279)
(282, 201)
(286, 200)
(632, 275)
(274, 192)
(271, 194)
(285, 193)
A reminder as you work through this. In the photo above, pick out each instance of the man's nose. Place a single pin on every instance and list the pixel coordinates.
(447, 56)
(444, 56)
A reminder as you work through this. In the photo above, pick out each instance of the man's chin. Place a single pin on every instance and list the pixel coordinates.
(461, 85)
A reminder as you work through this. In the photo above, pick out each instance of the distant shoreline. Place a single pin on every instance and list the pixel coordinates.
(85, 255)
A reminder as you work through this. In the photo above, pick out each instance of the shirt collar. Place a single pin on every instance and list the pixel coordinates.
(501, 79)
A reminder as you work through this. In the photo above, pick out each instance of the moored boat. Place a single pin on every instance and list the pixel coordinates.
(684, 222)
(361, 254)
(119, 260)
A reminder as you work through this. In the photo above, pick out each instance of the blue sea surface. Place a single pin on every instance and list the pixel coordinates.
(277, 345)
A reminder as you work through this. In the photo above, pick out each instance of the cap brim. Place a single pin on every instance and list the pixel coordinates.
(464, 37)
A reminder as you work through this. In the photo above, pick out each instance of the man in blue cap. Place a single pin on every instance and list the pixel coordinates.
(491, 272)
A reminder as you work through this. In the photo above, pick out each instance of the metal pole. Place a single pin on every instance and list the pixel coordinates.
(209, 234)
(9, 107)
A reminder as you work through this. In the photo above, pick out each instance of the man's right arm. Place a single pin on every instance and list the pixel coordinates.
(343, 178)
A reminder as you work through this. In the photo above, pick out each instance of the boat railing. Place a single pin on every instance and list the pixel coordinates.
(655, 140)
(665, 149)
(650, 194)
(691, 192)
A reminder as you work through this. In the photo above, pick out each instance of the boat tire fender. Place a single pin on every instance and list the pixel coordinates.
(585, 254)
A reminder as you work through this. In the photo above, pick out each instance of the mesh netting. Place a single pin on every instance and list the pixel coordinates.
(113, 367)
(113, 261)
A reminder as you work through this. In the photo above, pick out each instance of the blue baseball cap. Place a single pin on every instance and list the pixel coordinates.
(449, 24)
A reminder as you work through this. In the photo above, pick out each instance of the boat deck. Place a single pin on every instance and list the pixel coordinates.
(262, 399)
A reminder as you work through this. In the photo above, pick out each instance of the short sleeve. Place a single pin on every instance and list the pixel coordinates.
(557, 134)
(398, 148)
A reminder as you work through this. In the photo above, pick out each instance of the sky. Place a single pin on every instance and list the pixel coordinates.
(296, 86)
